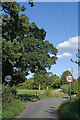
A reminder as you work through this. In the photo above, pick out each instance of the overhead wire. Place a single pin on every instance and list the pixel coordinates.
(64, 22)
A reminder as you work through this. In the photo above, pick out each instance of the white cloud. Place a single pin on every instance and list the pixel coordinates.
(64, 55)
(70, 45)
(52, 55)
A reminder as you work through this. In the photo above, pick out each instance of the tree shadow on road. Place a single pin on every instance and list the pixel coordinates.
(28, 97)
(52, 112)
(65, 97)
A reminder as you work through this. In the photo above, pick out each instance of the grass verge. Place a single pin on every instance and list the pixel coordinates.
(11, 111)
(54, 95)
(24, 91)
(69, 111)
(34, 94)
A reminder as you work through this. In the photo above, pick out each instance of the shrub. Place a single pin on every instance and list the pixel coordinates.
(47, 92)
(74, 87)
(70, 111)
(10, 105)
(65, 88)
(14, 91)
(8, 95)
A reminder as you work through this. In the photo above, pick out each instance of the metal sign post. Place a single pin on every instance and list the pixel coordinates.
(69, 79)
(70, 91)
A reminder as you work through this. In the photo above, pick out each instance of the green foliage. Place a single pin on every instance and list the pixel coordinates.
(28, 97)
(74, 87)
(28, 84)
(55, 81)
(8, 95)
(78, 56)
(11, 111)
(63, 77)
(47, 92)
(14, 92)
(70, 111)
(32, 95)
(12, 52)
(24, 46)
(10, 105)
(44, 79)
(65, 88)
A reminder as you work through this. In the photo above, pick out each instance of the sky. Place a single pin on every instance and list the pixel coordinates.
(60, 21)
(45, 0)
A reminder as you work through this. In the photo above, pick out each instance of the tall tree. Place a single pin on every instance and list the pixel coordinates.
(55, 81)
(78, 56)
(24, 46)
(41, 80)
(63, 77)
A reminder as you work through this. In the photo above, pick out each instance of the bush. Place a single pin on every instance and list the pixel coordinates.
(65, 88)
(70, 111)
(74, 87)
(47, 92)
(14, 91)
(8, 95)
(10, 105)
(11, 111)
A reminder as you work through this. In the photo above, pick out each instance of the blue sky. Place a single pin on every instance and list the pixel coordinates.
(60, 21)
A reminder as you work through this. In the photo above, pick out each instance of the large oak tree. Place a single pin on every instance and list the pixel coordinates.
(23, 45)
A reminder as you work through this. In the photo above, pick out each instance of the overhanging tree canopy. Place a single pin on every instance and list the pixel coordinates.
(24, 45)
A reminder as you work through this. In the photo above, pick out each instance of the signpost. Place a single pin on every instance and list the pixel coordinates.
(8, 78)
(69, 79)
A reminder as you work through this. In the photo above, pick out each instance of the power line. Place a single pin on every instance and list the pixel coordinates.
(64, 21)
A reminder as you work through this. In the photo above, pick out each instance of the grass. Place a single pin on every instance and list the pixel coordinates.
(70, 111)
(11, 106)
(11, 111)
(23, 91)
(35, 94)
(15, 107)
(58, 94)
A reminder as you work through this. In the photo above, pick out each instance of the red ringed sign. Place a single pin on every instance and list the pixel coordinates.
(69, 78)
(8, 78)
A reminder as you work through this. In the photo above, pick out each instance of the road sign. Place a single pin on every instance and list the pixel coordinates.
(69, 78)
(8, 78)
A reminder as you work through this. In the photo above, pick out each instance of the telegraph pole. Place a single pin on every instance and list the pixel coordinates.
(70, 85)
(72, 70)
(69, 79)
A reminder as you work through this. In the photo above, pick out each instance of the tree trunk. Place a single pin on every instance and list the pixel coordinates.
(39, 87)
(47, 87)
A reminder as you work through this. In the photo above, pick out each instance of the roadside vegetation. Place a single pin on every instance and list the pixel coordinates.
(14, 98)
(70, 111)
(25, 51)
(34, 95)
(11, 106)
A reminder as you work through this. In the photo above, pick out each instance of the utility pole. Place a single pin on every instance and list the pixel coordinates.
(72, 70)
(70, 85)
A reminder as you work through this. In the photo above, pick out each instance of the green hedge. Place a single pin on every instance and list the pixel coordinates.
(65, 88)
(11, 106)
(74, 87)
(8, 95)
(69, 111)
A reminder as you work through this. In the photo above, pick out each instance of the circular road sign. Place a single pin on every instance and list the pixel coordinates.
(8, 78)
(69, 78)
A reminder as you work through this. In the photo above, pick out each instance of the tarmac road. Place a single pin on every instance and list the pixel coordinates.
(43, 109)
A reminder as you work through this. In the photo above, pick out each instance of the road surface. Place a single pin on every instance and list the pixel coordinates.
(43, 109)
